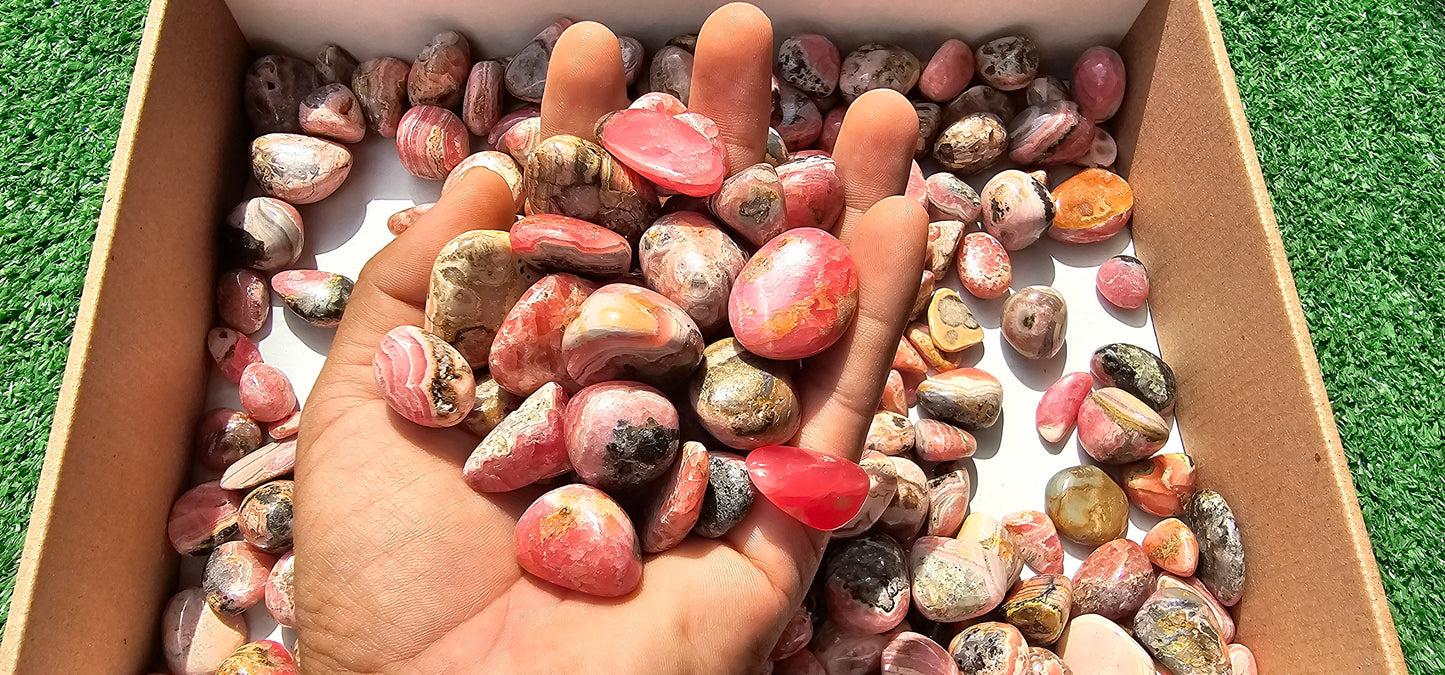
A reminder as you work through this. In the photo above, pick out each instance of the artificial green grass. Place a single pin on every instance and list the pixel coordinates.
(1346, 99)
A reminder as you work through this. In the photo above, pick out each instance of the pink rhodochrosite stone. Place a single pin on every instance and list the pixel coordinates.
(554, 243)
(620, 434)
(688, 259)
(795, 636)
(1059, 406)
(917, 188)
(431, 141)
(1241, 661)
(482, 98)
(809, 62)
(224, 436)
(332, 111)
(526, 447)
(1046, 662)
(1038, 540)
(232, 351)
(659, 101)
(952, 580)
(285, 427)
(1050, 133)
(865, 584)
(628, 332)
(908, 510)
(812, 192)
(984, 266)
(820, 491)
(423, 378)
(1162, 484)
(894, 398)
(281, 591)
(1115, 427)
(1172, 547)
(796, 296)
(266, 393)
(194, 638)
(950, 197)
(882, 486)
(440, 71)
(1123, 282)
(947, 502)
(242, 299)
(263, 657)
(1099, 83)
(1017, 208)
(1113, 581)
(948, 72)
(832, 124)
(678, 501)
(527, 352)
(319, 298)
(505, 124)
(751, 202)
(664, 149)
(1093, 645)
(267, 463)
(936, 441)
(235, 577)
(577, 537)
(799, 122)
(203, 517)
(913, 654)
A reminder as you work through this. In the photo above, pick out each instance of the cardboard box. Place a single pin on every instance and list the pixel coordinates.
(97, 567)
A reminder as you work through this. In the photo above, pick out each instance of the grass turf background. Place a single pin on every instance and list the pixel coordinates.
(1346, 100)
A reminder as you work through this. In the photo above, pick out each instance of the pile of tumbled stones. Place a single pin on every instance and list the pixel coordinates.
(633, 343)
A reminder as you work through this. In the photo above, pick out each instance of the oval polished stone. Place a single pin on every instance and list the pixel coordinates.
(1221, 549)
(1034, 321)
(729, 497)
(890, 434)
(1017, 209)
(1038, 541)
(578, 178)
(1175, 629)
(1113, 581)
(265, 516)
(482, 97)
(628, 332)
(298, 169)
(910, 653)
(275, 86)
(440, 71)
(950, 323)
(1093, 645)
(1162, 484)
(194, 638)
(1103, 151)
(281, 591)
(801, 663)
(812, 192)
(317, 297)
(1138, 371)
(908, 511)
(499, 163)
(263, 233)
(990, 648)
(1046, 662)
(223, 436)
(795, 636)
(674, 507)
(1007, 63)
(1172, 547)
(266, 393)
(796, 296)
(286, 427)
(235, 577)
(671, 72)
(578, 538)
(1049, 133)
(660, 101)
(865, 584)
(266, 463)
(493, 403)
(940, 442)
(332, 111)
(664, 150)
(943, 238)
(878, 66)
(620, 435)
(527, 446)
(527, 351)
(818, 490)
(1086, 505)
(263, 657)
(380, 85)
(1241, 661)
(1123, 282)
(984, 266)
(1117, 428)
(526, 75)
(972, 143)
(202, 518)
(507, 121)
(1098, 79)
(232, 352)
(475, 281)
(431, 141)
(948, 71)
(423, 378)
(742, 399)
(951, 581)
(1219, 614)
(522, 139)
(633, 56)
(1039, 607)
(967, 397)
(809, 62)
(1093, 205)
(882, 486)
(948, 494)
(685, 257)
(951, 197)
(751, 203)
(799, 122)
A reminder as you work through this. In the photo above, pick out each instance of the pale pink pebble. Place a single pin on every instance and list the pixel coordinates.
(1123, 282)
(1038, 540)
(203, 517)
(578, 538)
(912, 654)
(832, 124)
(1093, 645)
(243, 299)
(936, 441)
(660, 101)
(1098, 82)
(795, 636)
(266, 393)
(527, 350)
(232, 351)
(1059, 406)
(1241, 661)
(281, 591)
(521, 139)
(332, 111)
(917, 188)
(195, 638)
(494, 137)
(402, 220)
(423, 378)
(800, 663)
(948, 72)
(629, 332)
(529, 445)
(285, 427)
(948, 495)
(266, 463)
(812, 192)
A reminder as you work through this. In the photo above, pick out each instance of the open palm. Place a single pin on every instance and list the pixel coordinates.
(403, 568)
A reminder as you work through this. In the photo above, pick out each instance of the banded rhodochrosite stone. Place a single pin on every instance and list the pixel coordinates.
(1093, 645)
(675, 505)
(795, 636)
(1162, 484)
(267, 463)
(1007, 63)
(553, 243)
(671, 72)
(1123, 282)
(809, 62)
(812, 192)
(952, 580)
(223, 436)
(578, 538)
(298, 169)
(332, 111)
(266, 513)
(203, 517)
(263, 657)
(380, 85)
(266, 393)
(917, 186)
(1086, 505)
(526, 75)
(1113, 581)
(194, 638)
(973, 142)
(509, 120)
(882, 486)
(628, 332)
(528, 445)
(984, 266)
(1176, 630)
(620, 435)
(1001, 551)
(1137, 371)
(729, 497)
(440, 71)
(423, 378)
(865, 584)
(910, 653)
(263, 233)
(685, 257)
(819, 490)
(286, 427)
(1059, 406)
(493, 403)
(431, 141)
(936, 441)
(578, 178)
(1034, 321)
(1093, 205)
(948, 493)
(1017, 209)
(317, 297)
(1221, 550)
(275, 85)
(527, 352)
(943, 238)
(1038, 541)
(499, 163)
(890, 434)
(475, 281)
(752, 203)
(968, 397)
(1098, 79)
(796, 296)
(281, 591)
(1050, 133)
(981, 98)
(950, 197)
(232, 351)
(1117, 428)
(1039, 607)
(742, 399)
(235, 577)
(664, 149)
(991, 648)
(878, 66)
(1172, 547)
(242, 300)
(521, 139)
(482, 97)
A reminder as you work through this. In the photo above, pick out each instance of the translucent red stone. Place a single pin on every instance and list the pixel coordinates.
(232, 351)
(1059, 406)
(796, 297)
(1162, 484)
(526, 447)
(579, 538)
(664, 149)
(820, 491)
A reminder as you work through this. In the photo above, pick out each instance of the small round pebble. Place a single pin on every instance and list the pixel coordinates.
(242, 299)
(1034, 322)
(265, 516)
(482, 97)
(203, 517)
(1050, 133)
(890, 434)
(526, 75)
(795, 636)
(952, 198)
(299, 169)
(972, 143)
(1161, 485)
(1123, 282)
(1098, 79)
(194, 638)
(688, 259)
(223, 436)
(948, 71)
(984, 266)
(1093, 205)
(235, 577)
(264, 233)
(527, 352)
(968, 397)
(1058, 408)
(1017, 209)
(1086, 505)
(431, 141)
(671, 72)
(1172, 547)
(729, 497)
(1007, 63)
(878, 66)
(809, 62)
(751, 202)
(742, 399)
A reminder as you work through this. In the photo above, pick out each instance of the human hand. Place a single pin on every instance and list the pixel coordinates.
(402, 567)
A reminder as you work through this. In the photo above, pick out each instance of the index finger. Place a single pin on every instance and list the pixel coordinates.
(732, 77)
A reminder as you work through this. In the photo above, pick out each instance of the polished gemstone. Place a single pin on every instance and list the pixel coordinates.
(821, 491)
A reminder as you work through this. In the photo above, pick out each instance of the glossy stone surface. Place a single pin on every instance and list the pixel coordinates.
(499, 163)
(1113, 581)
(1037, 539)
(423, 378)
(1093, 205)
(493, 403)
(1007, 63)
(475, 281)
(1098, 79)
(223, 436)
(1046, 89)
(528, 445)
(990, 648)
(1117, 428)
(526, 75)
(319, 298)
(908, 363)
(1123, 282)
(926, 285)
(507, 121)
(984, 266)
(845, 652)
(799, 121)
(298, 169)
(1050, 133)
(917, 186)
(801, 663)
(1241, 661)
(890, 434)
(910, 653)
(1086, 505)
(628, 332)
(482, 97)
(1221, 548)
(796, 296)
(521, 139)
(263, 657)
(943, 238)
(402, 220)
(527, 351)
(908, 511)
(952, 198)
(671, 72)
(633, 57)
(620, 434)
(553, 243)
(431, 141)
(1002, 556)
(952, 581)
(1162, 484)
(832, 124)
(922, 341)
(729, 497)
(1174, 627)
(941, 442)
(878, 66)
(194, 638)
(981, 98)
(948, 493)
(1093, 645)
(967, 397)
(1017, 209)
(1045, 662)
(812, 192)
(674, 507)
(1039, 607)
(1219, 614)
(1172, 547)
(882, 486)
(232, 352)
(797, 632)
(664, 150)
(286, 427)
(577, 178)
(1103, 150)
(438, 75)
(263, 233)
(930, 122)
(274, 88)
(265, 516)
(578, 538)
(1138, 371)
(972, 143)
(659, 101)
(380, 86)
(707, 127)
(203, 517)
(281, 591)
(266, 393)
(742, 399)
(1059, 407)
(686, 258)
(894, 398)
(332, 111)
(819, 490)
(235, 577)
(334, 64)
(751, 202)
(865, 584)
(809, 62)
(268, 462)
(1034, 321)
(948, 71)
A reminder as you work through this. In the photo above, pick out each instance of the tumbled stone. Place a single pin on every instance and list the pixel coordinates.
(948, 494)
(527, 352)
(1034, 322)
(553, 243)
(578, 538)
(431, 141)
(984, 267)
(507, 121)
(660, 101)
(280, 591)
(620, 435)
(232, 352)
(1172, 547)
(528, 445)
(521, 139)
(1221, 549)
(803, 662)
(974, 142)
(742, 399)
(1093, 645)
(1007, 63)
(263, 233)
(482, 97)
(797, 632)
(263, 657)
(832, 124)
(628, 332)
(930, 121)
(1175, 629)
(1049, 133)
(242, 299)
(890, 434)
(1162, 484)
(663, 149)
(265, 516)
(1037, 539)
(1103, 150)
(846, 652)
(286, 427)
(439, 73)
(577, 178)
(1098, 77)
(1002, 556)
(751, 202)
(1113, 581)
(526, 75)
(894, 398)
(1123, 282)
(922, 341)
(203, 517)
(1241, 661)
(1219, 614)
(298, 169)
(319, 298)
(865, 584)
(951, 581)
(1045, 662)
(817, 489)
(796, 296)
(729, 497)
(991, 648)
(809, 62)
(1117, 428)
(235, 577)
(687, 259)
(332, 111)
(967, 397)
(947, 72)
(798, 120)
(917, 186)
(1137, 371)
(671, 72)
(908, 510)
(674, 507)
(1059, 407)
(402, 220)
(1093, 205)
(943, 238)
(268, 462)
(707, 127)
(910, 653)
(493, 403)
(334, 64)
(266, 393)
(1017, 209)
(423, 378)
(812, 192)
(952, 198)
(926, 284)
(634, 55)
(1086, 505)
(475, 281)
(380, 86)
(981, 98)
(878, 66)
(1039, 607)
(1046, 89)
(194, 638)
(882, 486)
(223, 436)
(274, 88)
